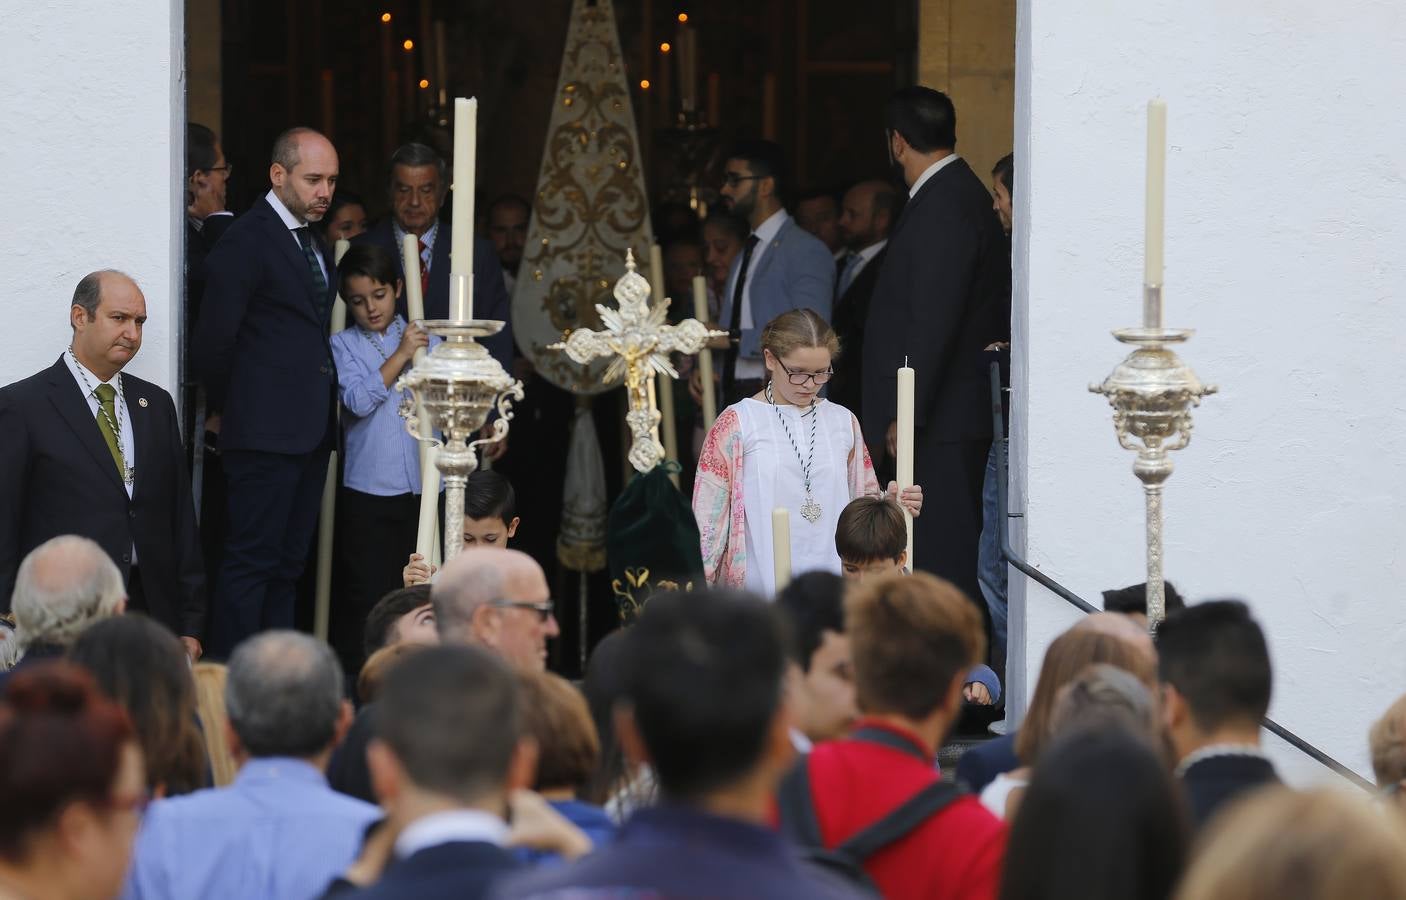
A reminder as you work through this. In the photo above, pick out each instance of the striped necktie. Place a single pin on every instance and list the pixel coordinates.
(319, 281)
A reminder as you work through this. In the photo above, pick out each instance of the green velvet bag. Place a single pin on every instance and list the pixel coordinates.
(652, 541)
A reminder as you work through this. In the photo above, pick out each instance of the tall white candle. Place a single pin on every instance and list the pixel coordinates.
(1156, 189)
(339, 306)
(429, 472)
(905, 443)
(781, 545)
(705, 356)
(414, 298)
(461, 240)
(327, 516)
(428, 526)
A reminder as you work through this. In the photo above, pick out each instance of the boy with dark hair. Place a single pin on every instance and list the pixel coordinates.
(819, 674)
(490, 520)
(871, 537)
(402, 615)
(913, 638)
(702, 702)
(1216, 683)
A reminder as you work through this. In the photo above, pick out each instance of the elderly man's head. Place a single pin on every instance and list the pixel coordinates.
(64, 585)
(496, 598)
(285, 696)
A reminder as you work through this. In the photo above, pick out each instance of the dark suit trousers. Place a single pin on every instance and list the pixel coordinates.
(947, 535)
(274, 500)
(375, 537)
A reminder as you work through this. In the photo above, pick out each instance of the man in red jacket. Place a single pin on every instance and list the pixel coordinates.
(913, 639)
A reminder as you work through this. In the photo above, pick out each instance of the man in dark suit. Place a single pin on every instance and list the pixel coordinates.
(93, 451)
(450, 753)
(944, 271)
(866, 216)
(264, 356)
(1216, 683)
(419, 183)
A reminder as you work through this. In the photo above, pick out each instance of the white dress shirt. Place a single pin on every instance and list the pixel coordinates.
(766, 233)
(293, 224)
(451, 826)
(929, 172)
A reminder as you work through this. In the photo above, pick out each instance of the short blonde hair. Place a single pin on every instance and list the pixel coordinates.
(1321, 844)
(910, 636)
(1387, 742)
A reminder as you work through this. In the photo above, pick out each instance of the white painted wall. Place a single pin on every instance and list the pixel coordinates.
(1286, 250)
(90, 169)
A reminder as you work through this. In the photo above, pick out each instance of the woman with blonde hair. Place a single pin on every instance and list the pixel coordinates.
(785, 447)
(1278, 844)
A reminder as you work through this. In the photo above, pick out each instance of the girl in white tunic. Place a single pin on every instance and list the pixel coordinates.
(784, 447)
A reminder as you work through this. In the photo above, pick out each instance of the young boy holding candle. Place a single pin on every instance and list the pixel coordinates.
(490, 520)
(379, 505)
(871, 538)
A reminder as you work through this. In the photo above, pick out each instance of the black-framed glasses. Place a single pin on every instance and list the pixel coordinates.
(543, 610)
(800, 378)
(732, 179)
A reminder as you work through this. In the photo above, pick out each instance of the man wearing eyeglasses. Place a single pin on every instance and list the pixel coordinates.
(486, 597)
(781, 266)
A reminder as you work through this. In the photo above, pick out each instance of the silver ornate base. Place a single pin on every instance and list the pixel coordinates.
(456, 387)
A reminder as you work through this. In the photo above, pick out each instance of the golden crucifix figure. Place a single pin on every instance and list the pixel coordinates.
(640, 340)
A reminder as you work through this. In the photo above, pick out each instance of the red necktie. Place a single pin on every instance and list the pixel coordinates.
(424, 271)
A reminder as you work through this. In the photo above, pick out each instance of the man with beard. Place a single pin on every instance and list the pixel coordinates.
(263, 353)
(781, 267)
(937, 304)
(507, 229)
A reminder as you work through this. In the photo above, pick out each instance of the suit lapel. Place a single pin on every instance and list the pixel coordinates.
(760, 267)
(72, 407)
(286, 243)
(143, 440)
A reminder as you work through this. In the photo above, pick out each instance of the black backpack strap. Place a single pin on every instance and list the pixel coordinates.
(886, 738)
(913, 812)
(797, 807)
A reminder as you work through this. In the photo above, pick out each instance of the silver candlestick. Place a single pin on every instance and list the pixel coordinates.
(455, 388)
(1152, 393)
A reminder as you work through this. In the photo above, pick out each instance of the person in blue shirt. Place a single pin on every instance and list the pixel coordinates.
(378, 508)
(278, 832)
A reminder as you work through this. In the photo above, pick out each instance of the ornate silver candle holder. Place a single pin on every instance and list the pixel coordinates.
(456, 387)
(1152, 393)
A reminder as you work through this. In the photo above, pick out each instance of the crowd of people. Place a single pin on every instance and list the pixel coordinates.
(721, 746)
(744, 737)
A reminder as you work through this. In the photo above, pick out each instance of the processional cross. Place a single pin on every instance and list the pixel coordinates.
(640, 340)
